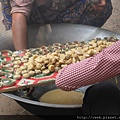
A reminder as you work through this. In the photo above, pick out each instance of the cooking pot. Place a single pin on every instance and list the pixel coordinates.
(47, 35)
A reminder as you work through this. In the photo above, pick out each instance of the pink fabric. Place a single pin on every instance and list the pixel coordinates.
(24, 6)
(98, 68)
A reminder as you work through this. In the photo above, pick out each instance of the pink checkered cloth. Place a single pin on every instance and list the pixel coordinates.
(100, 67)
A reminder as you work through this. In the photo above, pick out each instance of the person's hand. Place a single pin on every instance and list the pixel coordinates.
(100, 6)
(2, 19)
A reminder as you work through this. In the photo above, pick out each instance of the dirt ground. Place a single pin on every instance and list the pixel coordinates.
(113, 23)
(10, 107)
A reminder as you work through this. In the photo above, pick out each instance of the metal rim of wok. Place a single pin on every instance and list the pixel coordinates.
(39, 103)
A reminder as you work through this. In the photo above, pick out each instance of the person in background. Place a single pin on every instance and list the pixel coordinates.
(17, 14)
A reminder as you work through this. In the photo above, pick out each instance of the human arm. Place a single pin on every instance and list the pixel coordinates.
(100, 67)
(20, 13)
(19, 31)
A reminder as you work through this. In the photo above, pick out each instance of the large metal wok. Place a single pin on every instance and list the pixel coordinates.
(47, 35)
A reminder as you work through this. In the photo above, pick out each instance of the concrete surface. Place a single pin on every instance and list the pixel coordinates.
(10, 107)
(113, 23)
